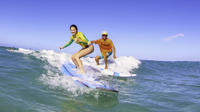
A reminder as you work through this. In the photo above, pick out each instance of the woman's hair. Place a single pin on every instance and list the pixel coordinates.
(73, 25)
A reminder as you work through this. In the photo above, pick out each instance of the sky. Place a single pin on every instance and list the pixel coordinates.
(145, 29)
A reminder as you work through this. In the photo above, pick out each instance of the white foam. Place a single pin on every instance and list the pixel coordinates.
(52, 78)
(55, 59)
(21, 50)
(122, 65)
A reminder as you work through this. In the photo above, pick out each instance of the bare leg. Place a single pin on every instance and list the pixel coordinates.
(74, 60)
(82, 53)
(106, 63)
(97, 59)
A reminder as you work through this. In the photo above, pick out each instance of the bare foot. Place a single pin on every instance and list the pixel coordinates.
(80, 72)
(106, 67)
(97, 60)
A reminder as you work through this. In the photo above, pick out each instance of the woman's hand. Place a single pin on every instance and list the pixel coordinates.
(114, 57)
(61, 47)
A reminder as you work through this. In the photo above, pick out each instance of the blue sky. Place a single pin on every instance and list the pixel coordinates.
(145, 29)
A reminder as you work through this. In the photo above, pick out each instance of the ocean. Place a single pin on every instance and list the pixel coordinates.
(31, 81)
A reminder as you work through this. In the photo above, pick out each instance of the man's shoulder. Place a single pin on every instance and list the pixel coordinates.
(109, 40)
(100, 39)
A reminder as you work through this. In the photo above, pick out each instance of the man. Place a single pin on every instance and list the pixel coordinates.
(106, 47)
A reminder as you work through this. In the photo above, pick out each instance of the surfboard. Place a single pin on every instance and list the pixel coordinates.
(109, 72)
(69, 70)
(115, 74)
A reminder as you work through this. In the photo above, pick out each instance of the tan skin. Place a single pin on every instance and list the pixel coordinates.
(83, 52)
(104, 37)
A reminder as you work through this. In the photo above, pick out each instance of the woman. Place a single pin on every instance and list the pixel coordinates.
(80, 39)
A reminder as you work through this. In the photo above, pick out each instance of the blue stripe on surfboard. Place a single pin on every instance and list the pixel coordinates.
(69, 70)
(72, 65)
(81, 83)
(65, 69)
(116, 74)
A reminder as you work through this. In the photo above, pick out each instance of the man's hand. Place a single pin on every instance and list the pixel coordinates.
(114, 57)
(61, 47)
(89, 43)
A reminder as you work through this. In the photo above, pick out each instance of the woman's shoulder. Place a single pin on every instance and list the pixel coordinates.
(80, 33)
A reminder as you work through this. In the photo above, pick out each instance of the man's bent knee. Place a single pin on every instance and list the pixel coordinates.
(97, 57)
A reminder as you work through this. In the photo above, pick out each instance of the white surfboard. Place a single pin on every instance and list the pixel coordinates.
(108, 72)
(116, 67)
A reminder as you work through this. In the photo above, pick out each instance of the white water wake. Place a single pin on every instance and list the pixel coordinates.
(52, 78)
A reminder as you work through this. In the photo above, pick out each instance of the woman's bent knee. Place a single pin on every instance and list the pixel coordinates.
(73, 57)
(76, 57)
